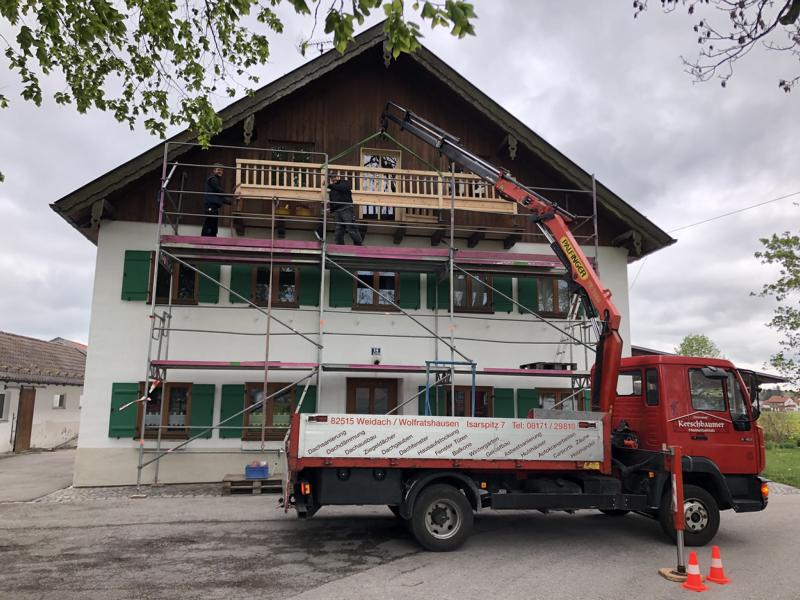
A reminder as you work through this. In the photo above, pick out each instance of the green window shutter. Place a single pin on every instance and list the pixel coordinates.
(526, 400)
(409, 291)
(587, 400)
(504, 403)
(123, 424)
(527, 294)
(444, 292)
(208, 291)
(341, 295)
(502, 283)
(232, 403)
(437, 401)
(241, 282)
(310, 401)
(201, 409)
(309, 286)
(136, 275)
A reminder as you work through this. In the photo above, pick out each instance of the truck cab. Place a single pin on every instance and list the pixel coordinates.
(703, 406)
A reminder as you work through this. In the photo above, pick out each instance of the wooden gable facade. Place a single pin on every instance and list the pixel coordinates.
(333, 102)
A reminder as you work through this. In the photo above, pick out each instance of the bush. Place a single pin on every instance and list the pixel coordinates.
(779, 427)
(798, 441)
(787, 445)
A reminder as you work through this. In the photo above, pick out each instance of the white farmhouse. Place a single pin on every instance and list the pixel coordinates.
(359, 323)
(41, 384)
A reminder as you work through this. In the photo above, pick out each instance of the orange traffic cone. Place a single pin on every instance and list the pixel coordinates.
(694, 581)
(717, 574)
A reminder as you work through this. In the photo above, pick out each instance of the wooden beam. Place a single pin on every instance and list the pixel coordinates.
(512, 239)
(399, 234)
(476, 237)
(437, 236)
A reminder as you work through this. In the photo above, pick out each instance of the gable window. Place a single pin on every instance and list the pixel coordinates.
(166, 408)
(387, 282)
(553, 296)
(59, 401)
(472, 295)
(380, 182)
(286, 283)
(291, 152)
(460, 404)
(277, 413)
(371, 396)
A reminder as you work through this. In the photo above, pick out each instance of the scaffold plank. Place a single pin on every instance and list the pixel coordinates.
(351, 367)
(401, 258)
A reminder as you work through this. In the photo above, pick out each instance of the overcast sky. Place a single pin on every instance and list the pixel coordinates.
(607, 90)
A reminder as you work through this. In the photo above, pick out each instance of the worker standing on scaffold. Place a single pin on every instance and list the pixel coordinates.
(214, 199)
(341, 203)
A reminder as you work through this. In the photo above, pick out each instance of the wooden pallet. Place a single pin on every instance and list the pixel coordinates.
(238, 484)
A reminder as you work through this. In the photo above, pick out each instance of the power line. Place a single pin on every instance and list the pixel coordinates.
(727, 214)
(733, 212)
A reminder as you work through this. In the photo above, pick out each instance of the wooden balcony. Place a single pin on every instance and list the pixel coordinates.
(398, 195)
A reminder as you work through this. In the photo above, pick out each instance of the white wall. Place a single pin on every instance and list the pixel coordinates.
(119, 333)
(51, 426)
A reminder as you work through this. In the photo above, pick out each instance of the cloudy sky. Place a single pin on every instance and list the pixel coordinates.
(607, 90)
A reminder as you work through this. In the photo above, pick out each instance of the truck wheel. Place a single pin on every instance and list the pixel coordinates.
(701, 515)
(442, 518)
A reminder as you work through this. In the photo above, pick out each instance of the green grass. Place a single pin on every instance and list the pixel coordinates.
(783, 465)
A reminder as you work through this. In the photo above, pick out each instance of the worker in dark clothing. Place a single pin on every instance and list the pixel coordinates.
(214, 199)
(341, 204)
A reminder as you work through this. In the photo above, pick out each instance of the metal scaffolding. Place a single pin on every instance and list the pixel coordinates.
(173, 252)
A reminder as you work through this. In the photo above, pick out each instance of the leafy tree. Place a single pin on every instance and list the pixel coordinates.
(728, 30)
(784, 250)
(697, 344)
(160, 62)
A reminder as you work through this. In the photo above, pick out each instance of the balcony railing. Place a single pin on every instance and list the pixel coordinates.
(420, 193)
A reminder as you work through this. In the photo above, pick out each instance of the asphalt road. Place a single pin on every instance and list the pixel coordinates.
(245, 547)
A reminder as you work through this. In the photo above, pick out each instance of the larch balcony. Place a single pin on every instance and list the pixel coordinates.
(380, 194)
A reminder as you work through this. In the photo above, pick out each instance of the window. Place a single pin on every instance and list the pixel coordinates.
(292, 152)
(738, 408)
(286, 281)
(371, 396)
(564, 399)
(387, 282)
(472, 295)
(184, 284)
(59, 401)
(278, 411)
(460, 404)
(553, 296)
(2, 406)
(380, 182)
(651, 398)
(172, 418)
(629, 383)
(707, 393)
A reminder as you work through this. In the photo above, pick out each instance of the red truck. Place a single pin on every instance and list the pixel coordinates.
(436, 471)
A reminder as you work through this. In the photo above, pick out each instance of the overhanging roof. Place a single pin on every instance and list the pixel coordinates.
(653, 237)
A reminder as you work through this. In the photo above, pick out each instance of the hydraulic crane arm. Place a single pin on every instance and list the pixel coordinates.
(552, 221)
